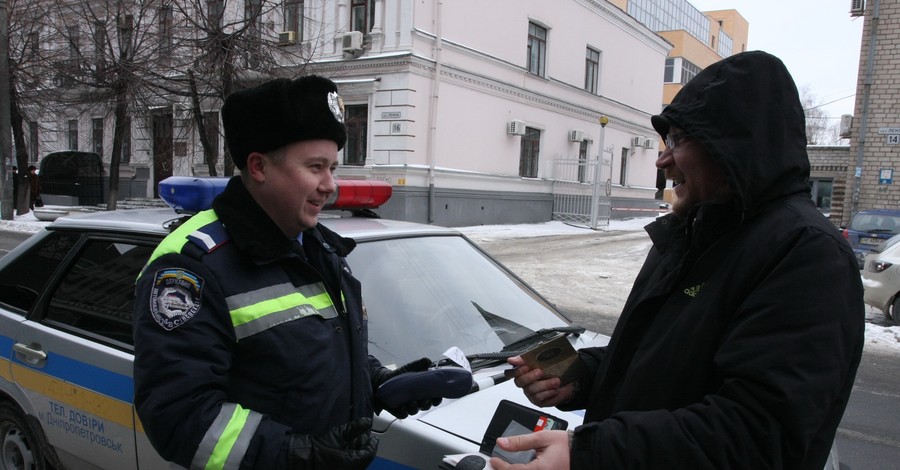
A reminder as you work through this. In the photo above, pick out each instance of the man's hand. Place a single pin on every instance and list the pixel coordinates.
(540, 391)
(410, 408)
(552, 448)
(350, 446)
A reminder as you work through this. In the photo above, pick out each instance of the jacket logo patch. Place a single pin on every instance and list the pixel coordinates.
(175, 298)
(693, 291)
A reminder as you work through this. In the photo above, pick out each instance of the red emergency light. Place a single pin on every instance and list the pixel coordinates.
(359, 194)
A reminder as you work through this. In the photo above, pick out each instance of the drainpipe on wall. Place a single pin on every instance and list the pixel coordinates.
(863, 126)
(432, 116)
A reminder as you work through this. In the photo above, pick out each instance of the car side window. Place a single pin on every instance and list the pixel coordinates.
(22, 281)
(96, 294)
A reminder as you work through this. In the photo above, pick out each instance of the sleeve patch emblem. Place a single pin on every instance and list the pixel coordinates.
(175, 298)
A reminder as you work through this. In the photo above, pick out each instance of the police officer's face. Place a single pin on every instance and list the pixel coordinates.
(297, 183)
(696, 178)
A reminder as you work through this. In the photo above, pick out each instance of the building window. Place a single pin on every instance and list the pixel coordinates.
(211, 128)
(33, 141)
(252, 13)
(688, 71)
(582, 161)
(125, 156)
(623, 170)
(591, 70)
(215, 11)
(537, 49)
(356, 118)
(74, 42)
(821, 192)
(164, 19)
(671, 15)
(99, 45)
(293, 17)
(72, 136)
(97, 135)
(669, 73)
(529, 152)
(362, 15)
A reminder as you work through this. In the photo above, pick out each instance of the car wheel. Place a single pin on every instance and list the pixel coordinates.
(19, 448)
(894, 315)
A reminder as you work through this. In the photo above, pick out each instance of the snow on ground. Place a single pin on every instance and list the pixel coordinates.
(883, 339)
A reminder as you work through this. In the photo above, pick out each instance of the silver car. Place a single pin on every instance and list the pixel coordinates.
(66, 298)
(881, 278)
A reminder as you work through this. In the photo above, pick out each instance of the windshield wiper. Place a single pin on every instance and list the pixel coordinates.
(517, 347)
(543, 333)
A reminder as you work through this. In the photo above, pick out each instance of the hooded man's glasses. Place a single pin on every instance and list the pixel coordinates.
(674, 138)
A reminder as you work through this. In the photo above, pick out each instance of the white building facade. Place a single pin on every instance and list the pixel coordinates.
(476, 112)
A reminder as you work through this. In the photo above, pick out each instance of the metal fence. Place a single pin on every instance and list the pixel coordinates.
(573, 192)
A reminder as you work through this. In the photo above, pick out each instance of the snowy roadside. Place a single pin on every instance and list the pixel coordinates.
(879, 339)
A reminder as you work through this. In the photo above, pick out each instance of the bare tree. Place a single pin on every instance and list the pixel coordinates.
(232, 52)
(820, 128)
(25, 72)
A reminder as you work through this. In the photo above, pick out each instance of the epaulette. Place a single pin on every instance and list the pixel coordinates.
(210, 236)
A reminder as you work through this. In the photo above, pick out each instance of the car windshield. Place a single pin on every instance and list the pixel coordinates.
(424, 295)
(877, 223)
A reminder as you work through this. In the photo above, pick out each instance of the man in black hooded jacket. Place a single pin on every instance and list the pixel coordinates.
(739, 343)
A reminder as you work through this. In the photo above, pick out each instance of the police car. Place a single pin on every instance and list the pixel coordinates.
(66, 297)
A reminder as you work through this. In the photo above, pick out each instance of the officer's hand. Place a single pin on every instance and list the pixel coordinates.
(403, 410)
(350, 446)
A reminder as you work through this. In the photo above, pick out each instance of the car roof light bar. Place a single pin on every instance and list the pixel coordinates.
(189, 195)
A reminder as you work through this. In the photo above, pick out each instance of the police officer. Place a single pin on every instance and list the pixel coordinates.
(250, 332)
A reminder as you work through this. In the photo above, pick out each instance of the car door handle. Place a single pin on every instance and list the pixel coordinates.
(30, 354)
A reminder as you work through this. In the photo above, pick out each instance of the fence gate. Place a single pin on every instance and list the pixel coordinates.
(573, 192)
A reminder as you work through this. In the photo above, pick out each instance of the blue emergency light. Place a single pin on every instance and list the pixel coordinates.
(189, 195)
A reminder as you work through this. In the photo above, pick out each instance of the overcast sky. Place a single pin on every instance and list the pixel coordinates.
(818, 40)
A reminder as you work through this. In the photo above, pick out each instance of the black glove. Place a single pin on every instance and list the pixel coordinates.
(384, 374)
(350, 445)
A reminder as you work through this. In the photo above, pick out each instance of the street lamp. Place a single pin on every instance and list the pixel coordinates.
(595, 198)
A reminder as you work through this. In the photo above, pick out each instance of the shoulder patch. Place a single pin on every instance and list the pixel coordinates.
(176, 297)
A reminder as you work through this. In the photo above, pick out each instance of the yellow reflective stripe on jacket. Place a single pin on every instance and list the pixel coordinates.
(256, 311)
(227, 439)
(175, 241)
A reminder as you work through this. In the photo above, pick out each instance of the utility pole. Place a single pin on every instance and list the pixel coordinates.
(6, 187)
(595, 197)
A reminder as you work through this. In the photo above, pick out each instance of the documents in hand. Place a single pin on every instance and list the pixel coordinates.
(557, 358)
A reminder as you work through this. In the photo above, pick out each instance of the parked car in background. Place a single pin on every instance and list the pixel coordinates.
(881, 278)
(869, 228)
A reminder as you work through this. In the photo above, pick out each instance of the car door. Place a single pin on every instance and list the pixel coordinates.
(73, 355)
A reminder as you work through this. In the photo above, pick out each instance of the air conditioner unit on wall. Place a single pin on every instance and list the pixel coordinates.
(576, 135)
(352, 42)
(650, 143)
(515, 127)
(287, 37)
(857, 7)
(637, 141)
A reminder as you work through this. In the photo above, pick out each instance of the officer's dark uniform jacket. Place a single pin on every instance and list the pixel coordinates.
(242, 341)
(739, 343)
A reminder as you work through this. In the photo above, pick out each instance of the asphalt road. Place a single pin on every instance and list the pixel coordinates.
(588, 277)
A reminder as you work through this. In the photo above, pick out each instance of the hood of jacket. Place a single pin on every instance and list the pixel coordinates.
(746, 112)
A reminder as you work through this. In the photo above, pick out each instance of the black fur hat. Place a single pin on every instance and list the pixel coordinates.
(280, 112)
